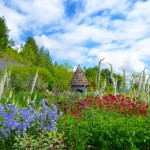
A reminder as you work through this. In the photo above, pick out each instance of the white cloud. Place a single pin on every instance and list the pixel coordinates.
(14, 20)
(96, 5)
(43, 12)
(61, 51)
(127, 52)
(30, 16)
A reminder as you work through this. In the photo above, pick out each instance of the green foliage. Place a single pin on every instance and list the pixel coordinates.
(91, 73)
(22, 98)
(3, 34)
(44, 78)
(11, 43)
(30, 51)
(44, 59)
(100, 129)
(50, 85)
(45, 140)
(67, 66)
(13, 55)
(22, 78)
(62, 78)
(51, 76)
(108, 90)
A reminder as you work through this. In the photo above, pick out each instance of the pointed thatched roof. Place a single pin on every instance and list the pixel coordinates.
(79, 78)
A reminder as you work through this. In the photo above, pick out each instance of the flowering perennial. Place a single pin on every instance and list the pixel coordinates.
(14, 120)
(120, 103)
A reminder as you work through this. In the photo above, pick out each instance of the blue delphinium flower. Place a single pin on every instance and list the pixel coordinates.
(21, 121)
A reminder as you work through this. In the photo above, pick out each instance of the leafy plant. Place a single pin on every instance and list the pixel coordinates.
(103, 129)
(45, 140)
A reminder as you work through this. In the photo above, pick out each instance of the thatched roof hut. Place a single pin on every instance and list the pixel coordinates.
(79, 82)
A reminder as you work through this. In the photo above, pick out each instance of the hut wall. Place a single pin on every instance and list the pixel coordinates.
(79, 88)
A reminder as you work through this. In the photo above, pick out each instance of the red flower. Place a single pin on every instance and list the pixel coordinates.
(120, 103)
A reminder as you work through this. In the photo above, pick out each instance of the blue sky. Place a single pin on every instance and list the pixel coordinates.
(85, 31)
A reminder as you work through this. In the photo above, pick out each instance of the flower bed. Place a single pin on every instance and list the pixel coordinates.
(119, 103)
(103, 129)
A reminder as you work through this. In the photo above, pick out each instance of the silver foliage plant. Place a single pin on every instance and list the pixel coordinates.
(33, 86)
(113, 79)
(98, 75)
(99, 91)
(4, 82)
(102, 90)
(123, 84)
(34, 82)
(142, 91)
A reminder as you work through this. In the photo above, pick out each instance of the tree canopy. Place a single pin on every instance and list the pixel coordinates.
(3, 34)
(30, 51)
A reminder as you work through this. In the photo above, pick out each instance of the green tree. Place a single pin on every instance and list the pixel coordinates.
(62, 77)
(3, 34)
(67, 66)
(11, 43)
(44, 58)
(30, 51)
(22, 78)
(91, 76)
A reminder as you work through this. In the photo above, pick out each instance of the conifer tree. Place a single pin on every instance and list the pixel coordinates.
(44, 59)
(30, 51)
(3, 34)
